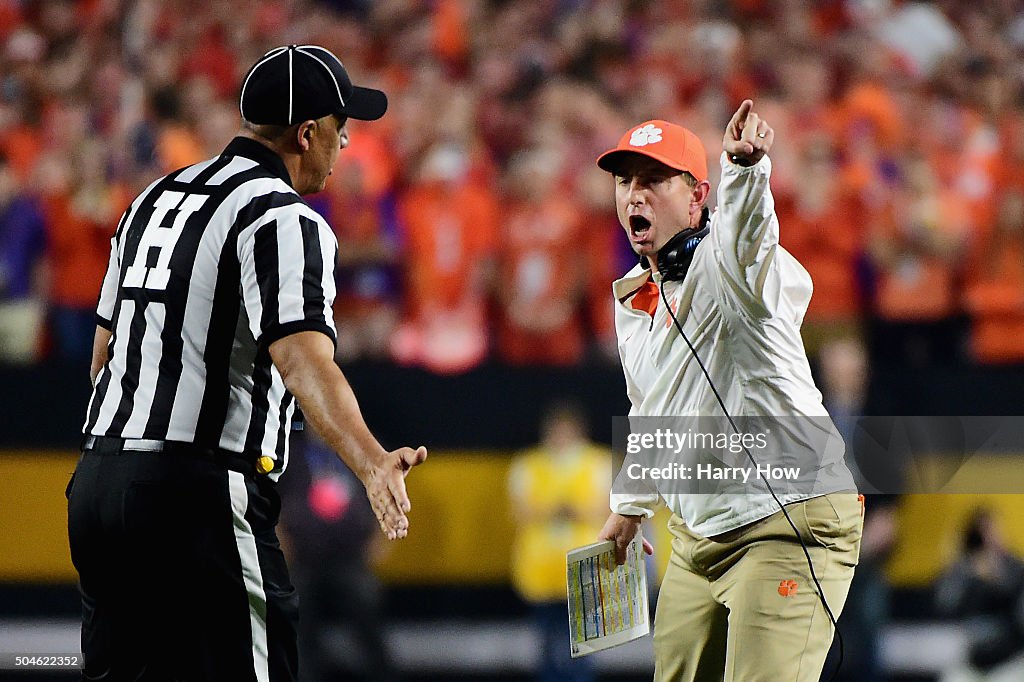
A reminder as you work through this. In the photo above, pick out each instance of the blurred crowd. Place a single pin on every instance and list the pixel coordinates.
(472, 220)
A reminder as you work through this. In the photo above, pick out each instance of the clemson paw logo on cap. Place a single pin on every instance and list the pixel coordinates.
(648, 134)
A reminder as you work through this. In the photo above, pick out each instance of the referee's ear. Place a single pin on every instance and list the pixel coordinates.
(304, 134)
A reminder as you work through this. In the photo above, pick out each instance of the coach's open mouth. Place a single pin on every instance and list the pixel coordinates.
(639, 226)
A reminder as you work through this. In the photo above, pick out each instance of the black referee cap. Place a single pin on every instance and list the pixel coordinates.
(297, 83)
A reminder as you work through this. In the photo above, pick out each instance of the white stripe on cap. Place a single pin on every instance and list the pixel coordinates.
(266, 58)
(291, 84)
(302, 49)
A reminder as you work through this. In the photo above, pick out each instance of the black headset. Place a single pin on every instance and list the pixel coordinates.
(675, 256)
(673, 261)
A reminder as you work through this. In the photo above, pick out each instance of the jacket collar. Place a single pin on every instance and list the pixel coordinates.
(630, 282)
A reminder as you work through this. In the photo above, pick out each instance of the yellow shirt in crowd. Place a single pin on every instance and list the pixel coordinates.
(561, 503)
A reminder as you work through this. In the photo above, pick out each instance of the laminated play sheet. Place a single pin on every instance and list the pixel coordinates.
(607, 602)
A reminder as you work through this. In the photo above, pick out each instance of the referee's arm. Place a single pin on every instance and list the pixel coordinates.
(105, 309)
(100, 352)
(306, 363)
(287, 273)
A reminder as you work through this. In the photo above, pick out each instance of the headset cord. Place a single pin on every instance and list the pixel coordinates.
(803, 545)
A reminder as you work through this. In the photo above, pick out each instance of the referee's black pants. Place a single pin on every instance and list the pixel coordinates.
(181, 573)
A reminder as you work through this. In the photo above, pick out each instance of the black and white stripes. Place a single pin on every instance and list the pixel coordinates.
(209, 266)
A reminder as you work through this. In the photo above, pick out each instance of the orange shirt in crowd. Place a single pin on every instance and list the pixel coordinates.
(804, 125)
(79, 249)
(870, 107)
(21, 146)
(212, 58)
(971, 167)
(995, 299)
(828, 244)
(1009, 174)
(541, 283)
(449, 234)
(916, 285)
(369, 155)
(10, 17)
(450, 32)
(601, 237)
(177, 146)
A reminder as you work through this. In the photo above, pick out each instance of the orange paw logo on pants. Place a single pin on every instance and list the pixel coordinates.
(787, 588)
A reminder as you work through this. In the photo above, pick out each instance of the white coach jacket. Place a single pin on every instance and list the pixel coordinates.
(741, 305)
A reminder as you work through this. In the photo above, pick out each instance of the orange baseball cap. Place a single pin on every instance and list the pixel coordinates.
(673, 145)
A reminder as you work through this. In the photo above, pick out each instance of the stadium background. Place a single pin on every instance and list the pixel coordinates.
(478, 241)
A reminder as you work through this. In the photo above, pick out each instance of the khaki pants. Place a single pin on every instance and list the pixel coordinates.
(742, 607)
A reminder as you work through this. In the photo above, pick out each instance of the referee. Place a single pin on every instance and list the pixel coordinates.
(214, 320)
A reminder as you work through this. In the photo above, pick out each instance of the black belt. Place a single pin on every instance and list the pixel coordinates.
(106, 445)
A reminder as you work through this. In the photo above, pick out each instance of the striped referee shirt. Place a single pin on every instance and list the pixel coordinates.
(208, 267)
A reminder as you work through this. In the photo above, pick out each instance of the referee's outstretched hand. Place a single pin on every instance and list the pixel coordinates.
(385, 488)
(305, 360)
(747, 137)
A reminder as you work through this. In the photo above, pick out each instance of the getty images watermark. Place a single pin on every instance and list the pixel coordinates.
(813, 455)
(666, 440)
(706, 455)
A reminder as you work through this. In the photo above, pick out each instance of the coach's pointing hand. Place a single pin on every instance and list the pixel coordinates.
(622, 529)
(747, 137)
(385, 488)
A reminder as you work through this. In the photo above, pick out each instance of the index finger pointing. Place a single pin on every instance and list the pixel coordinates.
(741, 114)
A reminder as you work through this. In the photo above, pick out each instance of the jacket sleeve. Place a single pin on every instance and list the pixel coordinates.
(745, 236)
(628, 497)
(631, 497)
